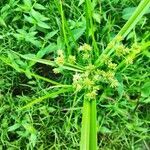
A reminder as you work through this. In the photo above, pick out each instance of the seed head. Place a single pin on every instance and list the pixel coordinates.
(76, 77)
(112, 65)
(129, 60)
(59, 60)
(72, 59)
(60, 52)
(91, 95)
(85, 47)
(56, 70)
(114, 83)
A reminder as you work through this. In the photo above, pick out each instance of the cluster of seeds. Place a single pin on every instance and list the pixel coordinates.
(135, 49)
(91, 80)
(85, 51)
(122, 51)
(60, 59)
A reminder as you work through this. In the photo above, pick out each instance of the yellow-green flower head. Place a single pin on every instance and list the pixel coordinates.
(56, 70)
(76, 77)
(106, 58)
(88, 83)
(129, 59)
(96, 77)
(85, 74)
(136, 48)
(60, 52)
(91, 95)
(78, 87)
(112, 65)
(120, 49)
(71, 59)
(85, 47)
(126, 51)
(90, 67)
(60, 60)
(86, 56)
(109, 75)
(114, 83)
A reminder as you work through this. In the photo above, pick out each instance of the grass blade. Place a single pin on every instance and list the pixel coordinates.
(7, 61)
(139, 12)
(50, 95)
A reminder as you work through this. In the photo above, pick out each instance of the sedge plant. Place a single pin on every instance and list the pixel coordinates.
(90, 68)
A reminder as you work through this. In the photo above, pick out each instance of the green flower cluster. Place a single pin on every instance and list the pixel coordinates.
(91, 80)
(122, 51)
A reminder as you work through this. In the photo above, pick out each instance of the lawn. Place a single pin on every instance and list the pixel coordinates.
(74, 75)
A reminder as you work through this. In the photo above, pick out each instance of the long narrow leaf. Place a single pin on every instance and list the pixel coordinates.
(6, 61)
(50, 95)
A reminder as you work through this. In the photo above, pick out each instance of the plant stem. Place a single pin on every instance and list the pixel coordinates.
(89, 24)
(85, 131)
(93, 131)
(139, 12)
(88, 131)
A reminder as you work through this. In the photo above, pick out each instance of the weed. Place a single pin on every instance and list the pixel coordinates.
(92, 62)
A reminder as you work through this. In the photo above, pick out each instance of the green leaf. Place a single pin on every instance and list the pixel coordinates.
(105, 130)
(97, 17)
(51, 34)
(38, 16)
(85, 130)
(1, 37)
(120, 88)
(81, 2)
(5, 8)
(27, 3)
(46, 50)
(93, 126)
(146, 101)
(39, 6)
(14, 127)
(89, 127)
(29, 128)
(127, 12)
(2, 22)
(43, 25)
(145, 91)
(33, 139)
(77, 33)
(30, 19)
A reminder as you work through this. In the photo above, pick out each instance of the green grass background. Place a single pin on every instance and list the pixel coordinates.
(34, 28)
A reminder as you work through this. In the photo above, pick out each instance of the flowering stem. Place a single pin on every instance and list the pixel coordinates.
(63, 21)
(139, 12)
(89, 24)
